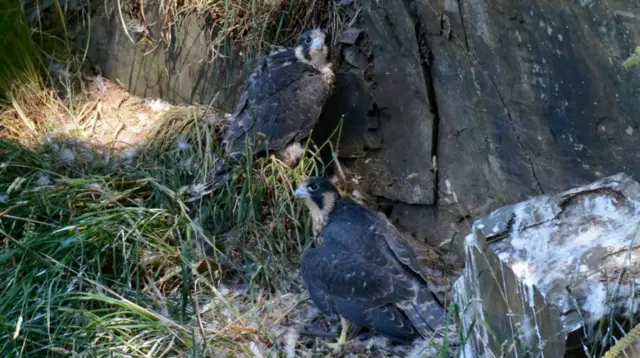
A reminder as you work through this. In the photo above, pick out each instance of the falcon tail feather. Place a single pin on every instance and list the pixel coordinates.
(425, 312)
(218, 175)
(391, 322)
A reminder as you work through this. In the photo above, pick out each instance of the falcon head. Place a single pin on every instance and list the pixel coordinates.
(312, 48)
(320, 195)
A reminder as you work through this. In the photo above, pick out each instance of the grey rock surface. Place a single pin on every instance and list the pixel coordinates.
(397, 170)
(180, 72)
(463, 107)
(350, 36)
(531, 97)
(356, 58)
(543, 268)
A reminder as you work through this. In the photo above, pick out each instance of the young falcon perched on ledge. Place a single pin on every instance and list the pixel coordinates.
(363, 270)
(281, 101)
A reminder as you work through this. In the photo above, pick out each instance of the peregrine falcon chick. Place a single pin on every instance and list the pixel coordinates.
(280, 102)
(283, 98)
(363, 270)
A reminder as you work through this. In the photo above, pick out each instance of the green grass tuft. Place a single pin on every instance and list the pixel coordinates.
(20, 60)
(114, 259)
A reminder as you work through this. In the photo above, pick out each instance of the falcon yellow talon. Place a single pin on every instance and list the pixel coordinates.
(343, 336)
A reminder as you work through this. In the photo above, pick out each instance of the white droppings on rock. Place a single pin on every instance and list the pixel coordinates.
(291, 339)
(416, 193)
(482, 25)
(527, 330)
(596, 303)
(542, 248)
(629, 130)
(518, 36)
(566, 247)
(586, 3)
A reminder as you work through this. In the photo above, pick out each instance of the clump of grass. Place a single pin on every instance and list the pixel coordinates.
(111, 257)
(40, 70)
(19, 55)
(71, 265)
(253, 216)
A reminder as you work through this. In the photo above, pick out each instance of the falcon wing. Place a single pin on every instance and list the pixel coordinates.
(321, 300)
(282, 100)
(387, 234)
(340, 273)
(425, 311)
(386, 319)
(371, 236)
(270, 63)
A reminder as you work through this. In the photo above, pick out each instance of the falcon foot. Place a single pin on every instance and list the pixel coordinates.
(336, 347)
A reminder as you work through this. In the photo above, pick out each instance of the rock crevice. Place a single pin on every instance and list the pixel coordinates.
(512, 99)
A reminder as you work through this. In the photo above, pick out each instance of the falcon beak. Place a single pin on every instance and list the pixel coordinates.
(317, 44)
(301, 193)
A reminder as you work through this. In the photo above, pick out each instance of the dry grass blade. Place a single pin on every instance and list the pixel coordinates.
(26, 120)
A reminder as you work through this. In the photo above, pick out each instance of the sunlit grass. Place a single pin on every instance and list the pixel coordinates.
(118, 261)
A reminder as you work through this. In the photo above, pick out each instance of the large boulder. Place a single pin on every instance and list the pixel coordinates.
(543, 268)
(527, 97)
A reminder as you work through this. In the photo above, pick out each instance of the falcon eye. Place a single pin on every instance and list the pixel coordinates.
(313, 187)
(307, 40)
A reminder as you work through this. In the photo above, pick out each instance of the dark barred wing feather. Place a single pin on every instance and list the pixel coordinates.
(356, 291)
(281, 101)
(364, 259)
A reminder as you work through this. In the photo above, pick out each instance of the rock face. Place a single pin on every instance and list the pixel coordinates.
(450, 108)
(531, 96)
(179, 72)
(551, 265)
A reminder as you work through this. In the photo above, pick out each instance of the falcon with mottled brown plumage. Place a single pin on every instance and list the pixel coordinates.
(363, 270)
